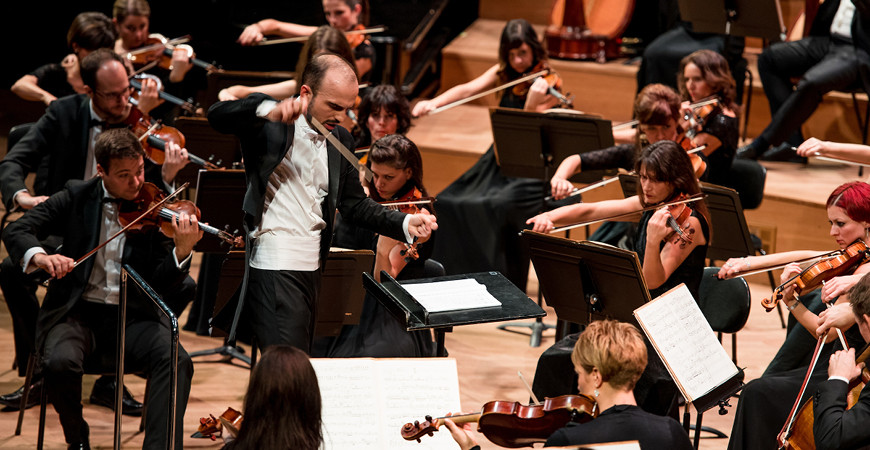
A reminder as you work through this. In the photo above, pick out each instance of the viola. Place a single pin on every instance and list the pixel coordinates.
(155, 135)
(409, 203)
(842, 263)
(142, 215)
(512, 424)
(552, 79)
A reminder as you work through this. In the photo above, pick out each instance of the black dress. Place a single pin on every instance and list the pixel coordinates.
(622, 156)
(624, 423)
(724, 128)
(378, 334)
(481, 214)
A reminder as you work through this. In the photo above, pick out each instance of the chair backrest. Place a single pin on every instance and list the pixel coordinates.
(725, 303)
(747, 178)
(16, 133)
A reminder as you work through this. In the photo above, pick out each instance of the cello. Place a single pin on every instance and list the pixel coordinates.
(587, 32)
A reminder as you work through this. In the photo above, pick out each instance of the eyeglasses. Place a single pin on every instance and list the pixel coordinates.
(121, 95)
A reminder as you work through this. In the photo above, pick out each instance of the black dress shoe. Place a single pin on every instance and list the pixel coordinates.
(746, 152)
(783, 153)
(79, 446)
(83, 443)
(103, 394)
(12, 401)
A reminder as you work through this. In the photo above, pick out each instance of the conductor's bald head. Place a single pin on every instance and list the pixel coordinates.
(329, 84)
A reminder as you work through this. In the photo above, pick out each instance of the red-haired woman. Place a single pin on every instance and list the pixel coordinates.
(765, 403)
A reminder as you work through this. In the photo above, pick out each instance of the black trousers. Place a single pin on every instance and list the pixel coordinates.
(19, 292)
(85, 342)
(823, 65)
(282, 306)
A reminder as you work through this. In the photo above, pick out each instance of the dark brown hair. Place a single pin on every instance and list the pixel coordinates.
(859, 298)
(400, 153)
(385, 97)
(116, 143)
(364, 10)
(90, 31)
(715, 71)
(282, 404)
(91, 64)
(616, 349)
(666, 161)
(516, 33)
(124, 8)
(324, 40)
(655, 104)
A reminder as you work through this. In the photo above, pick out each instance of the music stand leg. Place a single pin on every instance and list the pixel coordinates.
(537, 327)
(440, 336)
(231, 352)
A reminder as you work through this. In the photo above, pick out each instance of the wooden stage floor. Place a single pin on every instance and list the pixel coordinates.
(487, 361)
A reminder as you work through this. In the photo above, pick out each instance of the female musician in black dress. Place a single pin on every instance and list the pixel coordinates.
(483, 211)
(703, 75)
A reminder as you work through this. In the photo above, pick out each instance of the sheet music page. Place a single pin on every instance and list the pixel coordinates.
(686, 343)
(366, 400)
(452, 295)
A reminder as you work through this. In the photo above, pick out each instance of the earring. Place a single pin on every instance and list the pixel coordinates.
(596, 393)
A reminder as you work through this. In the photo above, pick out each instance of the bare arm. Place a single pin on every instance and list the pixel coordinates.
(735, 266)
(658, 265)
(582, 212)
(27, 88)
(851, 152)
(255, 32)
(279, 91)
(559, 184)
(486, 80)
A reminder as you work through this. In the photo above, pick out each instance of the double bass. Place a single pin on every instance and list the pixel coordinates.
(587, 32)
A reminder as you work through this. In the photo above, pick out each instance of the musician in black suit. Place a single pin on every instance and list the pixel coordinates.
(77, 323)
(296, 180)
(59, 148)
(836, 427)
(833, 57)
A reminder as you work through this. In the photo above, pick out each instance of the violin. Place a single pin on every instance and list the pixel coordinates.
(212, 428)
(186, 105)
(159, 50)
(155, 135)
(681, 232)
(131, 214)
(514, 425)
(552, 79)
(409, 203)
(355, 39)
(844, 262)
(700, 113)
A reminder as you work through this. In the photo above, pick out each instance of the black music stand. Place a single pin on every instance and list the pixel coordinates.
(514, 304)
(340, 301)
(204, 141)
(221, 79)
(532, 145)
(586, 281)
(750, 18)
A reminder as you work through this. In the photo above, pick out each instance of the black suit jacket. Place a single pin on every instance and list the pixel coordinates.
(75, 213)
(264, 145)
(834, 426)
(56, 148)
(825, 17)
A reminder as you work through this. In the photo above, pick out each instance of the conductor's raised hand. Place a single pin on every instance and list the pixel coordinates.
(56, 265)
(289, 110)
(422, 224)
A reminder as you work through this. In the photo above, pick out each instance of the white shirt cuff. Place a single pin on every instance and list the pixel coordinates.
(835, 377)
(15, 203)
(266, 107)
(28, 255)
(406, 224)
(175, 258)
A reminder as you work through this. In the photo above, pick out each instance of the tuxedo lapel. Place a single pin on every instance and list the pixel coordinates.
(334, 169)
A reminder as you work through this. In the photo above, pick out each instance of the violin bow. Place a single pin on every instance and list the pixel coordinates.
(780, 266)
(159, 204)
(490, 91)
(266, 41)
(348, 155)
(691, 199)
(836, 159)
(596, 185)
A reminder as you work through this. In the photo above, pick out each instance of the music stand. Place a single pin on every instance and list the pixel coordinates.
(532, 145)
(753, 18)
(204, 141)
(413, 316)
(221, 79)
(340, 301)
(219, 196)
(586, 281)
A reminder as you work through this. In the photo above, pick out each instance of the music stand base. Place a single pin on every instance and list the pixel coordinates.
(231, 352)
(537, 330)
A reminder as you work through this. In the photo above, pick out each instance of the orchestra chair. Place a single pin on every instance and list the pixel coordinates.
(725, 304)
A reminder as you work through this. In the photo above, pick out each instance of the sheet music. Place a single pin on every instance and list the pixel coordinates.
(366, 401)
(687, 345)
(452, 295)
